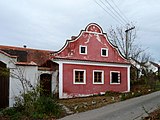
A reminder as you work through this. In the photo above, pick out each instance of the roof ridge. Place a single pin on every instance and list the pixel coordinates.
(22, 48)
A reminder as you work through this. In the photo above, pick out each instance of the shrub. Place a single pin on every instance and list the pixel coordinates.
(24, 103)
(34, 106)
(9, 111)
(47, 106)
(38, 108)
(12, 113)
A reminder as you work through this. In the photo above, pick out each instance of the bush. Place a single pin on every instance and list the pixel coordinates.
(12, 113)
(9, 111)
(32, 105)
(47, 106)
(24, 102)
(39, 108)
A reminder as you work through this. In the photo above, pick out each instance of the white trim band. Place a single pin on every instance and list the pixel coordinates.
(79, 62)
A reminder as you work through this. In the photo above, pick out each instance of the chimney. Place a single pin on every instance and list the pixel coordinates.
(24, 46)
(73, 37)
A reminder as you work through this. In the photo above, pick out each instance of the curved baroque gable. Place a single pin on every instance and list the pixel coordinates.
(94, 41)
(93, 27)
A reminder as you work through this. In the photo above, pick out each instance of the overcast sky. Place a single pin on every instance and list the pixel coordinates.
(47, 24)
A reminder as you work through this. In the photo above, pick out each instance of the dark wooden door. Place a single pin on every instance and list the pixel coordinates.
(4, 85)
(45, 83)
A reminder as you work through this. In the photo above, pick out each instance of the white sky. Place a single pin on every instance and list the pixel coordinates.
(47, 24)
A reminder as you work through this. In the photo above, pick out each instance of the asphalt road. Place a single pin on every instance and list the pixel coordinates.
(132, 109)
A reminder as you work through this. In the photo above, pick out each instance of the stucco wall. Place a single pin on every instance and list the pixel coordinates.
(30, 73)
(71, 90)
(7, 60)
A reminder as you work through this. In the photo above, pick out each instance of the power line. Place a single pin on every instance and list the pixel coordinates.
(112, 12)
(120, 10)
(116, 11)
(108, 12)
(117, 17)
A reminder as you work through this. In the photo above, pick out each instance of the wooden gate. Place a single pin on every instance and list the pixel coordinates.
(4, 85)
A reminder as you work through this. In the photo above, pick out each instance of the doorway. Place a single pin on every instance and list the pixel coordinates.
(45, 84)
(4, 85)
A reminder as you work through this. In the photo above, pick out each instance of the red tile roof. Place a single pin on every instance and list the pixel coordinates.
(27, 55)
(44, 69)
(26, 63)
(7, 54)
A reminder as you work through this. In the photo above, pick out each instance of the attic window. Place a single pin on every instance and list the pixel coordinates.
(83, 49)
(104, 52)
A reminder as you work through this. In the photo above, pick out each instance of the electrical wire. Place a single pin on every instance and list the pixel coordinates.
(112, 12)
(116, 14)
(108, 12)
(120, 16)
(120, 10)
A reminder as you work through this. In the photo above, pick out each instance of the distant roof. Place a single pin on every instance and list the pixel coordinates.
(27, 55)
(135, 60)
(155, 64)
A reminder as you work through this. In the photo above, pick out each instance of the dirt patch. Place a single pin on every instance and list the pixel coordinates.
(77, 105)
(88, 103)
(155, 115)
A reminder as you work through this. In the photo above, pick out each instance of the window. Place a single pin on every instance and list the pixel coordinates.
(98, 77)
(104, 52)
(79, 76)
(83, 49)
(115, 77)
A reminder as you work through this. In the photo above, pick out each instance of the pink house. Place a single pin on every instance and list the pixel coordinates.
(90, 64)
(86, 65)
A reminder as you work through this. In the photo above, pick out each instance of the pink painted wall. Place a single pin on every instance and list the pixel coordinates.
(94, 39)
(89, 88)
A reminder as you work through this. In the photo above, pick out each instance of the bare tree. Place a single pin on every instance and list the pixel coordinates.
(118, 37)
(145, 57)
(19, 74)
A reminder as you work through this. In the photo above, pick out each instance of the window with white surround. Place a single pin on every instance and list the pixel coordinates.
(104, 52)
(115, 77)
(83, 49)
(79, 76)
(98, 77)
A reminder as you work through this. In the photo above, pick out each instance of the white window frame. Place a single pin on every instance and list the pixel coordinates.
(85, 49)
(84, 76)
(119, 82)
(106, 52)
(101, 77)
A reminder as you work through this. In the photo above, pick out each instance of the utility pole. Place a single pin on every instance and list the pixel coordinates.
(127, 40)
